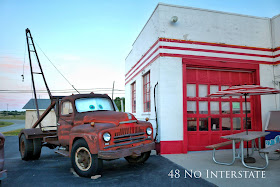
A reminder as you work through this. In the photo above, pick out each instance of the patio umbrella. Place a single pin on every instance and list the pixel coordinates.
(245, 90)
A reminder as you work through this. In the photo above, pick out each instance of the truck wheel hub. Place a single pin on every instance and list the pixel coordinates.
(83, 158)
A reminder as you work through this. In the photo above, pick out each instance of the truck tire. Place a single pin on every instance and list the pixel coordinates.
(139, 159)
(26, 148)
(84, 163)
(37, 143)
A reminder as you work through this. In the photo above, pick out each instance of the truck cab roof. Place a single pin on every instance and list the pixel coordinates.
(78, 96)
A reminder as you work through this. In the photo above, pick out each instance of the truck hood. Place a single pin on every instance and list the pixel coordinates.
(108, 117)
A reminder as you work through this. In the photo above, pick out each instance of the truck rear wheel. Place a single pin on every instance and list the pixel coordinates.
(26, 148)
(37, 144)
(139, 159)
(84, 163)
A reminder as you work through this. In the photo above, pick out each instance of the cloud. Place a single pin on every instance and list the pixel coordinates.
(13, 101)
(10, 64)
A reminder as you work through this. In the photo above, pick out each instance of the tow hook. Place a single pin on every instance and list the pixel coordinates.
(136, 153)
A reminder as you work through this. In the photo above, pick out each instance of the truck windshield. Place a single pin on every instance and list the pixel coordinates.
(93, 104)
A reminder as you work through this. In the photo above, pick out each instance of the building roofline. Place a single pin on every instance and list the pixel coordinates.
(146, 23)
(275, 16)
(215, 11)
(201, 9)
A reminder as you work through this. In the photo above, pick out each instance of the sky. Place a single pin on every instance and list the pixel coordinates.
(86, 40)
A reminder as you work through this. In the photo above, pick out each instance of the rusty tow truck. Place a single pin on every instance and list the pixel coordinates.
(88, 130)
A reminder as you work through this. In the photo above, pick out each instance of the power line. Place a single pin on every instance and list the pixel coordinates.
(64, 91)
(57, 68)
(88, 89)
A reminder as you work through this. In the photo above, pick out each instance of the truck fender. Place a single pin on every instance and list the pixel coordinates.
(91, 140)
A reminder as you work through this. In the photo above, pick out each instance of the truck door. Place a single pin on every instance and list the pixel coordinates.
(65, 122)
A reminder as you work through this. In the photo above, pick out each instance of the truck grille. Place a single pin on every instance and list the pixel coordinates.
(129, 134)
(128, 130)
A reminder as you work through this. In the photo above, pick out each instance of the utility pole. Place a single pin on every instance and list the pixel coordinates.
(122, 109)
(7, 109)
(113, 91)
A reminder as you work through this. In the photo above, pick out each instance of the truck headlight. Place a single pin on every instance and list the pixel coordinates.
(149, 131)
(106, 137)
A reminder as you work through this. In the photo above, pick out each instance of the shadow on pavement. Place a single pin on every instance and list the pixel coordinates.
(55, 170)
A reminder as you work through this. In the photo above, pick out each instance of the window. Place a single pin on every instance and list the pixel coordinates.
(66, 108)
(133, 97)
(93, 104)
(146, 92)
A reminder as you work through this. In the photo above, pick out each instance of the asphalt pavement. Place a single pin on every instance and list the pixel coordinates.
(55, 170)
(18, 124)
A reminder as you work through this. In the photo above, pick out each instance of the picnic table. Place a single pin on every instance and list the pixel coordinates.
(251, 136)
(241, 137)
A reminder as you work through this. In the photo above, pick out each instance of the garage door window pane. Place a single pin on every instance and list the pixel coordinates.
(203, 124)
(249, 123)
(191, 124)
(214, 89)
(224, 88)
(203, 107)
(248, 107)
(215, 124)
(225, 123)
(202, 90)
(225, 108)
(191, 90)
(191, 107)
(236, 123)
(214, 106)
(235, 107)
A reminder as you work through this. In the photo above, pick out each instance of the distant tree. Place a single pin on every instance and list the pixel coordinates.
(117, 100)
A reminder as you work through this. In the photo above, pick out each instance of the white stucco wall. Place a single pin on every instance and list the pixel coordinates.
(275, 24)
(154, 78)
(268, 102)
(168, 72)
(196, 25)
(213, 26)
(171, 99)
(31, 118)
(147, 37)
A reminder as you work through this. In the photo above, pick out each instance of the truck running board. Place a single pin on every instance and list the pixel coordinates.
(62, 152)
(50, 138)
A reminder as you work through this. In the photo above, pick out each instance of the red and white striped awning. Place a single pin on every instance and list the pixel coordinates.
(245, 90)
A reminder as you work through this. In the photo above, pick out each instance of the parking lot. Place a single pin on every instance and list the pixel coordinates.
(55, 170)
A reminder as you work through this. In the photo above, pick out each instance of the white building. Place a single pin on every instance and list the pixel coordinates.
(31, 114)
(190, 53)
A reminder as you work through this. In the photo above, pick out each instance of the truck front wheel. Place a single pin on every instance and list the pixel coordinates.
(84, 163)
(138, 159)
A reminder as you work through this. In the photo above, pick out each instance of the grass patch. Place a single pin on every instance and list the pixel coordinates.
(21, 117)
(12, 133)
(5, 124)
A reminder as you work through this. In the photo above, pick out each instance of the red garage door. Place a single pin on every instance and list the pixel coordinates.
(207, 119)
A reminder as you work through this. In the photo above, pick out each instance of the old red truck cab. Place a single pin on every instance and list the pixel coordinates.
(90, 130)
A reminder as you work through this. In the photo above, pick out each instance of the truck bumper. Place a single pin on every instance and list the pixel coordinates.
(126, 152)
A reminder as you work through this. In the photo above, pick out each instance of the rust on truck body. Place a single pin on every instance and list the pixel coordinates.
(77, 125)
(3, 173)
